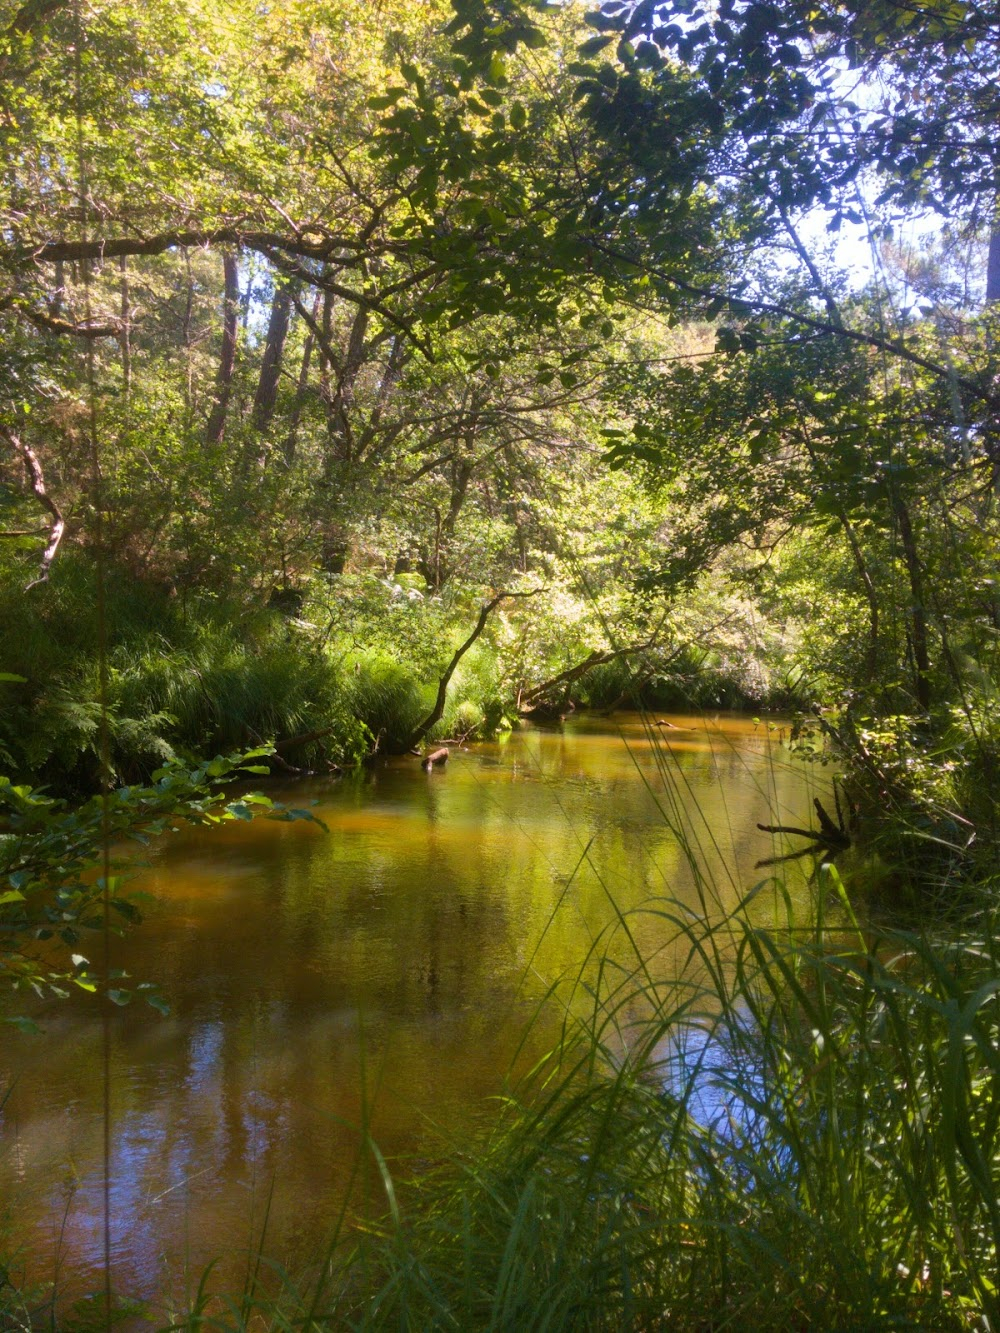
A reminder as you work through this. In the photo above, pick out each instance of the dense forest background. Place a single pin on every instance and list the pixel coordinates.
(325, 325)
(375, 373)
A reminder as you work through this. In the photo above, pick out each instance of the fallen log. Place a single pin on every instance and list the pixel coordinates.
(435, 757)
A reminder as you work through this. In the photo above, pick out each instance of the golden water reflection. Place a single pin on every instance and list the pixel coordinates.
(380, 972)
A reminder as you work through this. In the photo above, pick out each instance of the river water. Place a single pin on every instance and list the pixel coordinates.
(380, 972)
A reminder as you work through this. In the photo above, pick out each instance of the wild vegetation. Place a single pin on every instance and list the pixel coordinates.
(372, 375)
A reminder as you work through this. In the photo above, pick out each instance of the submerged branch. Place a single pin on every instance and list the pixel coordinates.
(829, 838)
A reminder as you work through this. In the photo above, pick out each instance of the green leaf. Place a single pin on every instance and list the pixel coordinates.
(386, 100)
(127, 909)
(594, 44)
(12, 679)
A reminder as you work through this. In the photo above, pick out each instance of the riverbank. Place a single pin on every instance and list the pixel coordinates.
(346, 669)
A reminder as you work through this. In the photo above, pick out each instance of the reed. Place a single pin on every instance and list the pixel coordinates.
(800, 1131)
(807, 1139)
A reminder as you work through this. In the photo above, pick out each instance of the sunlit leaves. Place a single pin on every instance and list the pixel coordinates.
(51, 856)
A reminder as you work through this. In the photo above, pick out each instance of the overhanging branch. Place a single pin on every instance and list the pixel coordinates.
(437, 712)
(752, 306)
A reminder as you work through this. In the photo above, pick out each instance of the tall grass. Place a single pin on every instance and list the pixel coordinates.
(802, 1131)
(805, 1137)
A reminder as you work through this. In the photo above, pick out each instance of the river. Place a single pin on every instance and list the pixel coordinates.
(380, 972)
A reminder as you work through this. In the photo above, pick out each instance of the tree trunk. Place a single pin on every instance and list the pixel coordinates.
(993, 266)
(36, 481)
(342, 435)
(325, 363)
(437, 712)
(991, 435)
(274, 350)
(187, 335)
(301, 389)
(918, 617)
(216, 428)
(125, 340)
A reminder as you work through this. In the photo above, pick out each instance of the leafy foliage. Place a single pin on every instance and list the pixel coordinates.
(58, 892)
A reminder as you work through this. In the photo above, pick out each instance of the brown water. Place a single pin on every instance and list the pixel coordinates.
(382, 971)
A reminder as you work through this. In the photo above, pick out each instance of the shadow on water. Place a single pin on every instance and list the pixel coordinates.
(384, 969)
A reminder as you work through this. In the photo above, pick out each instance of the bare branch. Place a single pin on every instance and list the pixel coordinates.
(530, 698)
(88, 329)
(36, 479)
(751, 306)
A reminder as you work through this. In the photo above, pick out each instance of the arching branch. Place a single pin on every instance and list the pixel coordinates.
(437, 712)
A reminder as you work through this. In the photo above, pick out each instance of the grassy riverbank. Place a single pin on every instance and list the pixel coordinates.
(801, 1133)
(341, 669)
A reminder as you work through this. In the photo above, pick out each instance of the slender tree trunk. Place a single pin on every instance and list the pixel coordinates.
(343, 397)
(437, 712)
(991, 435)
(393, 366)
(186, 334)
(301, 389)
(870, 593)
(216, 428)
(918, 615)
(461, 474)
(868, 583)
(993, 266)
(36, 480)
(55, 306)
(325, 393)
(125, 340)
(274, 350)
